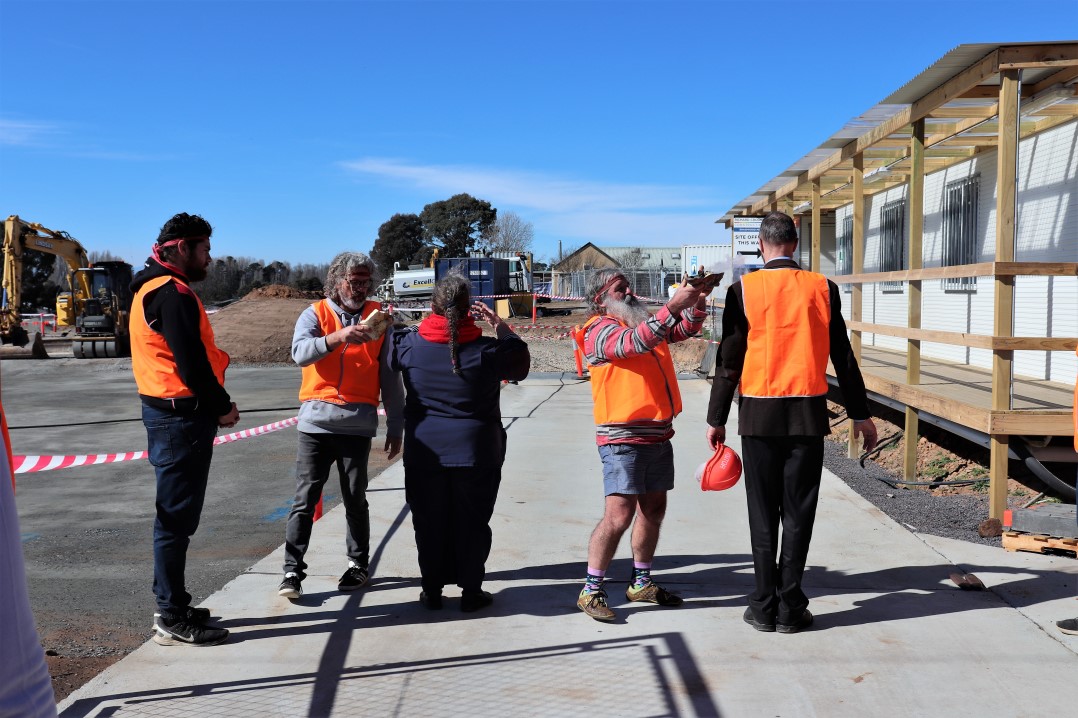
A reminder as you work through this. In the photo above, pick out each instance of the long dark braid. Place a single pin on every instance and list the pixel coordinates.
(452, 299)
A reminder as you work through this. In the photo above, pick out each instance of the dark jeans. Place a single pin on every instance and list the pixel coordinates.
(451, 510)
(180, 447)
(782, 483)
(317, 453)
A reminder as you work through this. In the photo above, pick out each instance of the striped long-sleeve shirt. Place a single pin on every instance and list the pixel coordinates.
(607, 340)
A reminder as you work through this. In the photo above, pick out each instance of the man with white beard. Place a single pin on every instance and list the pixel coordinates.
(635, 391)
(345, 365)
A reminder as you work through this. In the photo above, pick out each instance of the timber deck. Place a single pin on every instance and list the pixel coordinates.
(963, 394)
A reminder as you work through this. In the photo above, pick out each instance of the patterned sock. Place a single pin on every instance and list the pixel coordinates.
(641, 574)
(593, 582)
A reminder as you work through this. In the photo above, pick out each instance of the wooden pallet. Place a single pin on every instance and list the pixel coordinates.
(1038, 543)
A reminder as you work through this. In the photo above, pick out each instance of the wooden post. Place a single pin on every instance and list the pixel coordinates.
(853, 445)
(1003, 303)
(915, 260)
(814, 261)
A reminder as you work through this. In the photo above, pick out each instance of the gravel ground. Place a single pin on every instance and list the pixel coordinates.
(953, 516)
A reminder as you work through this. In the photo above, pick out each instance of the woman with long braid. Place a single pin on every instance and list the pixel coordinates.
(454, 443)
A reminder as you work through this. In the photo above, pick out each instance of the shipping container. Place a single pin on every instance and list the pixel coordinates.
(489, 276)
(697, 258)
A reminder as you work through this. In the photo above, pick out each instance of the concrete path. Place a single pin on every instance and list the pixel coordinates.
(892, 636)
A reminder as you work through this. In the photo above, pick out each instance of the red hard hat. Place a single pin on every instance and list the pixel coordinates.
(721, 471)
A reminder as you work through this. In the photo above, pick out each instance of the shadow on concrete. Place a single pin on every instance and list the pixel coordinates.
(670, 680)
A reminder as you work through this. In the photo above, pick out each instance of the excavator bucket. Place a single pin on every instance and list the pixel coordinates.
(34, 349)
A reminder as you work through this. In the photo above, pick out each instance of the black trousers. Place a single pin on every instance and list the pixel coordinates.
(451, 510)
(782, 483)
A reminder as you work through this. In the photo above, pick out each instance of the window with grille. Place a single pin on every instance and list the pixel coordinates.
(893, 241)
(844, 251)
(960, 230)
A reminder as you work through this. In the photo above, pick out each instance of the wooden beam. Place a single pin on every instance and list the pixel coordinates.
(1003, 302)
(981, 111)
(981, 269)
(1060, 78)
(991, 92)
(854, 448)
(1028, 56)
(816, 226)
(963, 339)
(915, 261)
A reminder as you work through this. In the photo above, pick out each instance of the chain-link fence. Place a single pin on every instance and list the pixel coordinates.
(646, 284)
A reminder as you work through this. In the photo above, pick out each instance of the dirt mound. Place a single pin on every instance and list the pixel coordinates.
(282, 291)
(258, 328)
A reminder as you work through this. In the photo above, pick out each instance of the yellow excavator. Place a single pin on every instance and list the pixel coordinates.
(97, 303)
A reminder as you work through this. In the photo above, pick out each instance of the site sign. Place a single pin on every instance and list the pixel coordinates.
(746, 234)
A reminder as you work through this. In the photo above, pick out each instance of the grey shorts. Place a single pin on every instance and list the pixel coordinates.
(637, 468)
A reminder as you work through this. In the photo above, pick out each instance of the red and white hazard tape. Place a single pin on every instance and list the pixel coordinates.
(32, 464)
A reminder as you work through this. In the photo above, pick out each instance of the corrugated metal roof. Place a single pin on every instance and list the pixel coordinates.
(947, 67)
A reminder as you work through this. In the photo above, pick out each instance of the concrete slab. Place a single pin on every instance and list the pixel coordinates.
(893, 636)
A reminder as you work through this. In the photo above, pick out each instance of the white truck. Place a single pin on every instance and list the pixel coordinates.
(416, 282)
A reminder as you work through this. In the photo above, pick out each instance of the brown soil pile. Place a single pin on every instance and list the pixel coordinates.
(282, 291)
(258, 328)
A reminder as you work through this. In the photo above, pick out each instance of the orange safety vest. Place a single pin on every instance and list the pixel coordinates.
(789, 317)
(637, 388)
(349, 373)
(153, 363)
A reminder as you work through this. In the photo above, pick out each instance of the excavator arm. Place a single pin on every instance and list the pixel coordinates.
(20, 237)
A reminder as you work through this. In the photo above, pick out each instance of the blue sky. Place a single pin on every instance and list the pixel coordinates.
(297, 128)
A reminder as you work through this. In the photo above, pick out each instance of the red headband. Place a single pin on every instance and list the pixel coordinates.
(172, 243)
(607, 287)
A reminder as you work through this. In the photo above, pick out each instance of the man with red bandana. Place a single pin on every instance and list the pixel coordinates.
(180, 374)
(636, 395)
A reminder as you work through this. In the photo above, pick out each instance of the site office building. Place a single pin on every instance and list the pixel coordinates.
(970, 173)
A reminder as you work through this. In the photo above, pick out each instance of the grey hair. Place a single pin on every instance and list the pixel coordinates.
(595, 283)
(341, 266)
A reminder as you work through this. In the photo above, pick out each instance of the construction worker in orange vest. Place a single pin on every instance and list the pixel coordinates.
(180, 374)
(634, 387)
(345, 371)
(779, 327)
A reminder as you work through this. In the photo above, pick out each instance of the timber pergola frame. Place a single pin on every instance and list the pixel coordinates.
(976, 98)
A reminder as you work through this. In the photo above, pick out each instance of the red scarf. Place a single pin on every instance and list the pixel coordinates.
(435, 328)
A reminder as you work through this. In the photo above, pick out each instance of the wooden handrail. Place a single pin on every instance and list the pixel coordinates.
(983, 269)
(978, 341)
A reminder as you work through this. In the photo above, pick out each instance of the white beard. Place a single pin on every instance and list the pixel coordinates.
(631, 311)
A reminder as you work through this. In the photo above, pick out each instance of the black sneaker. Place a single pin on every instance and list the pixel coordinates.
(1068, 626)
(290, 587)
(201, 616)
(355, 577)
(183, 632)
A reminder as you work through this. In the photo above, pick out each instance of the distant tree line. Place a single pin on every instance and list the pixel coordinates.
(455, 227)
(233, 277)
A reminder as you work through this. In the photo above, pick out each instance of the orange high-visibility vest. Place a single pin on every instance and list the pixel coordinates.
(153, 363)
(638, 388)
(789, 316)
(349, 373)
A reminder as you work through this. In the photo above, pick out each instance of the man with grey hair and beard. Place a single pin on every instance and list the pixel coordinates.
(635, 391)
(345, 369)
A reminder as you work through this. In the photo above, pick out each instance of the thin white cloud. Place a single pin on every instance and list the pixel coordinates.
(23, 133)
(536, 191)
